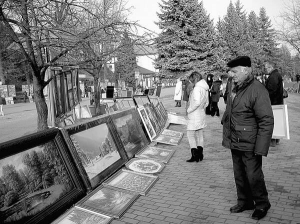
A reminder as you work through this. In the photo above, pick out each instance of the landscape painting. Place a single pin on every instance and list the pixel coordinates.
(34, 179)
(147, 123)
(96, 149)
(160, 154)
(132, 181)
(130, 132)
(168, 140)
(80, 216)
(109, 201)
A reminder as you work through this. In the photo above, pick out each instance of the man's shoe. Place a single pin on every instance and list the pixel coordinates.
(240, 208)
(273, 143)
(260, 213)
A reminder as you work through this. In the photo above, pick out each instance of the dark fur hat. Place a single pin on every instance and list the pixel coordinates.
(244, 61)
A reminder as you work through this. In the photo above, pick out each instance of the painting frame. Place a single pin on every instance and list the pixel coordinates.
(145, 153)
(172, 133)
(116, 144)
(169, 140)
(87, 202)
(281, 122)
(133, 165)
(27, 146)
(147, 123)
(91, 214)
(154, 121)
(114, 178)
(135, 124)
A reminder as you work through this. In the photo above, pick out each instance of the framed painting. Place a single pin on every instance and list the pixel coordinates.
(69, 120)
(147, 123)
(175, 119)
(144, 165)
(132, 181)
(69, 80)
(160, 154)
(130, 131)
(157, 117)
(97, 148)
(109, 102)
(172, 133)
(281, 122)
(138, 101)
(163, 110)
(78, 215)
(40, 177)
(154, 100)
(108, 200)
(169, 140)
(152, 118)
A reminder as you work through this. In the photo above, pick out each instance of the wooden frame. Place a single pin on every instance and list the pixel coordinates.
(152, 118)
(172, 133)
(168, 140)
(144, 165)
(96, 148)
(41, 176)
(108, 200)
(79, 215)
(130, 131)
(156, 153)
(147, 123)
(281, 122)
(132, 181)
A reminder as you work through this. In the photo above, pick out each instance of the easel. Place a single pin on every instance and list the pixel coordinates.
(1, 110)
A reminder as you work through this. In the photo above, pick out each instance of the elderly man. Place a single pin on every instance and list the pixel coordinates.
(247, 129)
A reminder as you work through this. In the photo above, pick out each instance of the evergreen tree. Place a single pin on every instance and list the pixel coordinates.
(186, 42)
(126, 61)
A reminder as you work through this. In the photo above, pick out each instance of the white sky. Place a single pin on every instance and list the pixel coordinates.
(144, 11)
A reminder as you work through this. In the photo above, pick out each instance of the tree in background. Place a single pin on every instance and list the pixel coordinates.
(126, 61)
(186, 42)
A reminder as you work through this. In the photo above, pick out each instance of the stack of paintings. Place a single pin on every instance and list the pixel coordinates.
(108, 200)
(159, 154)
(132, 181)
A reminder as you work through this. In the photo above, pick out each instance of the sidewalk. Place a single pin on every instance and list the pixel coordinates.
(203, 192)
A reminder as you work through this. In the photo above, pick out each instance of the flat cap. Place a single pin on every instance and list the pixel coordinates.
(244, 61)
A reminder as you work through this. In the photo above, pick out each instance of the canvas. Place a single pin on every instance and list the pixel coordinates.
(109, 201)
(130, 131)
(97, 149)
(152, 118)
(168, 140)
(281, 122)
(38, 177)
(79, 216)
(172, 133)
(159, 154)
(175, 119)
(132, 181)
(147, 123)
(143, 165)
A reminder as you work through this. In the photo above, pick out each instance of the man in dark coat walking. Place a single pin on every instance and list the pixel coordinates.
(275, 88)
(247, 129)
(209, 81)
(215, 91)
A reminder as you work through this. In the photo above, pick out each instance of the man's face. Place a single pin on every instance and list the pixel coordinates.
(268, 67)
(238, 74)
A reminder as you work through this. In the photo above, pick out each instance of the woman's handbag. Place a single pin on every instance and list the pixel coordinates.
(285, 93)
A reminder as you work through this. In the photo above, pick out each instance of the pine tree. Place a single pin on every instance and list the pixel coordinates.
(186, 42)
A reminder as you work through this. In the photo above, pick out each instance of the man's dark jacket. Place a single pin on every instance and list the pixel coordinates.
(275, 87)
(248, 119)
(215, 91)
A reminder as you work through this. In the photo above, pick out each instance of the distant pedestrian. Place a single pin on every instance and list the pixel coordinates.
(209, 81)
(189, 85)
(247, 129)
(274, 86)
(198, 101)
(178, 93)
(215, 92)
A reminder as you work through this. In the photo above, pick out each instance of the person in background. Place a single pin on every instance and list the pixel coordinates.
(274, 85)
(209, 81)
(189, 85)
(178, 93)
(215, 92)
(198, 101)
(247, 130)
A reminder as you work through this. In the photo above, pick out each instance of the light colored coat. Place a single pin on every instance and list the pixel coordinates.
(178, 90)
(198, 101)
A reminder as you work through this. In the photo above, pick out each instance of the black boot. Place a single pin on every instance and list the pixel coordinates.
(193, 158)
(200, 152)
(176, 104)
(179, 104)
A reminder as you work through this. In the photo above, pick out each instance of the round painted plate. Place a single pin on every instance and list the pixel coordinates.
(144, 166)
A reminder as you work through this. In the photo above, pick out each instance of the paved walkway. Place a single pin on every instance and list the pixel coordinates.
(203, 192)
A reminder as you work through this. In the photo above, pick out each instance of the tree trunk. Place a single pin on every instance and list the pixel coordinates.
(40, 103)
(97, 92)
(2, 77)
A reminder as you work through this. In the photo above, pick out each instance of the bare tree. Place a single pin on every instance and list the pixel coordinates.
(290, 25)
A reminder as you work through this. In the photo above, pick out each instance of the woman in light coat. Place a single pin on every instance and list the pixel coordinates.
(198, 101)
(178, 93)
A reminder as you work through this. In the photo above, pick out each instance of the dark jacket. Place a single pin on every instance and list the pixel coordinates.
(275, 87)
(215, 91)
(248, 119)
(185, 84)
